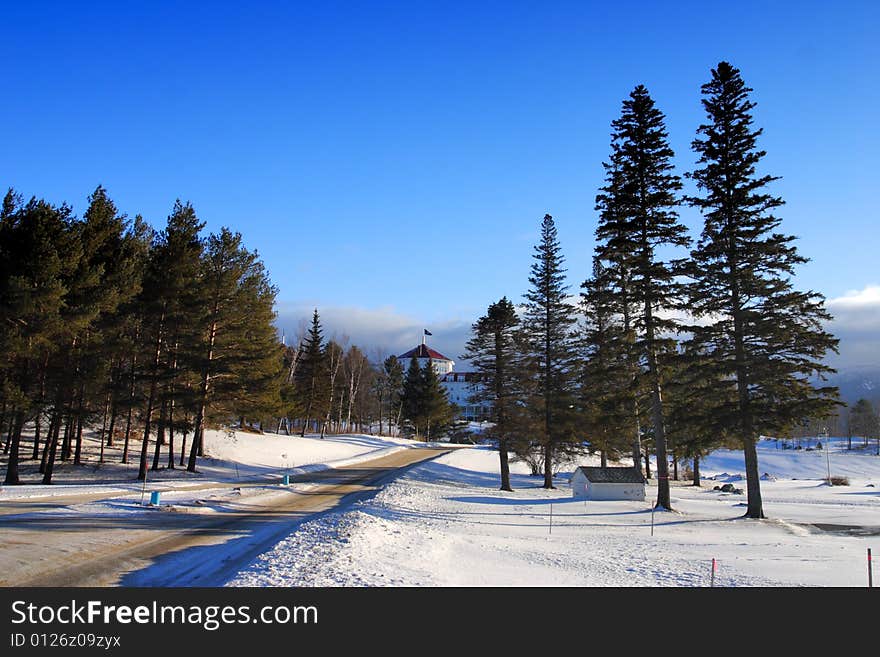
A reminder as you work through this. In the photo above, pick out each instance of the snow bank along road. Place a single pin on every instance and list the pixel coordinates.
(203, 543)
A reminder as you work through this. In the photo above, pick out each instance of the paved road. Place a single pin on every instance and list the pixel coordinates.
(155, 548)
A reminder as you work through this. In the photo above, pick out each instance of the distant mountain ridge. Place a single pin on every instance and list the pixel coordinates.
(857, 383)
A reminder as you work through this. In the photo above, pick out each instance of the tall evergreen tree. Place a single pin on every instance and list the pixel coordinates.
(638, 218)
(236, 351)
(412, 397)
(548, 339)
(393, 389)
(311, 376)
(492, 352)
(39, 254)
(170, 308)
(764, 337)
(437, 412)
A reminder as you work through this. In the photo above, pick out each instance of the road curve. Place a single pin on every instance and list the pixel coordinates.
(153, 548)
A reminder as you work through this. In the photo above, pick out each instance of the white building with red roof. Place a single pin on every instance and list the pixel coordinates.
(459, 386)
(424, 355)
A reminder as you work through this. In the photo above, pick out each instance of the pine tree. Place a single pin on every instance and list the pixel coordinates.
(139, 241)
(638, 218)
(764, 337)
(393, 389)
(38, 255)
(548, 339)
(437, 412)
(492, 352)
(170, 312)
(108, 277)
(312, 378)
(219, 331)
(863, 421)
(412, 397)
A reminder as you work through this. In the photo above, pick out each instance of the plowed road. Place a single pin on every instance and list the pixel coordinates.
(152, 548)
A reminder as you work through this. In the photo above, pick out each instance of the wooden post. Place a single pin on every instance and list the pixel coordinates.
(551, 517)
(870, 571)
(712, 582)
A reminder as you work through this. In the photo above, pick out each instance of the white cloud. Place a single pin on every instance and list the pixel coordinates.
(865, 298)
(385, 330)
(379, 331)
(857, 324)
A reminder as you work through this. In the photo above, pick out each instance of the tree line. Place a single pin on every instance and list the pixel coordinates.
(682, 344)
(329, 388)
(147, 337)
(108, 324)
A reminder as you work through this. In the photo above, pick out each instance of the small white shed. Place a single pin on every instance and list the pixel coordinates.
(608, 484)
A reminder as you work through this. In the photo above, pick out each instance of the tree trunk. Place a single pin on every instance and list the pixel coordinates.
(663, 498)
(182, 447)
(637, 435)
(381, 410)
(65, 441)
(36, 453)
(114, 415)
(104, 428)
(77, 455)
(128, 415)
(12, 465)
(171, 425)
(647, 465)
(151, 398)
(3, 416)
(52, 446)
(548, 466)
(127, 435)
(505, 465)
(54, 425)
(696, 470)
(10, 429)
(755, 507)
(160, 433)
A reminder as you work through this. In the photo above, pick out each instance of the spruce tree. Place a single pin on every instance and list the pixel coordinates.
(312, 378)
(492, 352)
(764, 337)
(437, 412)
(393, 389)
(412, 397)
(638, 218)
(549, 361)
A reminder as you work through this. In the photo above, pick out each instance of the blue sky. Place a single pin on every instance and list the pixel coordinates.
(391, 162)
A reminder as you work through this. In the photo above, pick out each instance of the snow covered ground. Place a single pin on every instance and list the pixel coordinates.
(231, 456)
(445, 523)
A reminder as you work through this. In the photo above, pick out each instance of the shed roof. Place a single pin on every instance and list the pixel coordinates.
(612, 475)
